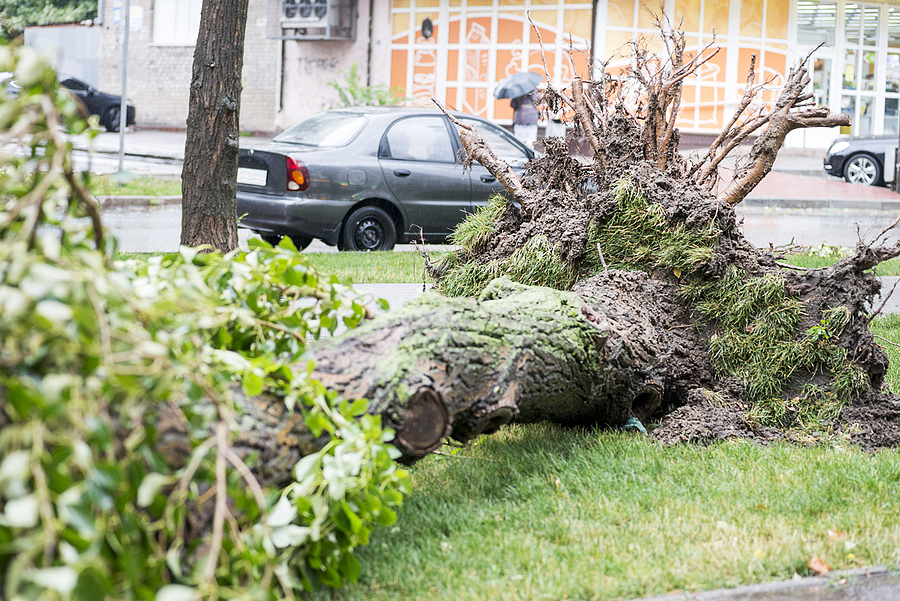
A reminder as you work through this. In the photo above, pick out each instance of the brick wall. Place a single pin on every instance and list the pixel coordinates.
(159, 76)
(310, 66)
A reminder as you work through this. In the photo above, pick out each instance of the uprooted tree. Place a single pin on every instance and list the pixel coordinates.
(651, 303)
(166, 414)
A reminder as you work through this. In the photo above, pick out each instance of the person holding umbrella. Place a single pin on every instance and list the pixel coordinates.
(521, 89)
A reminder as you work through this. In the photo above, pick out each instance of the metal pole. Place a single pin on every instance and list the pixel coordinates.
(123, 108)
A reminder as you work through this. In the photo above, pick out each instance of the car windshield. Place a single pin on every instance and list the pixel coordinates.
(330, 129)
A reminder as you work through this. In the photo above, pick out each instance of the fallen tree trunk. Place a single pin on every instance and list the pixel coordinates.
(517, 352)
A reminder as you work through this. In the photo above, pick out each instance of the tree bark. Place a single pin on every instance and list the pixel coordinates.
(516, 353)
(209, 175)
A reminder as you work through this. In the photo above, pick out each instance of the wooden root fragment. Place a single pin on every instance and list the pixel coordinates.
(478, 150)
(791, 112)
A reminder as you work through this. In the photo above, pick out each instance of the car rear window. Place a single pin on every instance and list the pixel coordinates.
(326, 130)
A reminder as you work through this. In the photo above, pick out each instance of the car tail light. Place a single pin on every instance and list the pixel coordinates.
(297, 175)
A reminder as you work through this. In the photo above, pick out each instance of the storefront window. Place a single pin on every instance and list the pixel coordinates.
(891, 121)
(848, 105)
(850, 69)
(852, 21)
(893, 33)
(816, 22)
(870, 25)
(821, 76)
(866, 120)
(867, 71)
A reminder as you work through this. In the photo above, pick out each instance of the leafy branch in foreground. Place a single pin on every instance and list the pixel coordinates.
(128, 389)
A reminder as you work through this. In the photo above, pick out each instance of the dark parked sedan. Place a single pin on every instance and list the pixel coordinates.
(106, 106)
(861, 160)
(93, 102)
(366, 178)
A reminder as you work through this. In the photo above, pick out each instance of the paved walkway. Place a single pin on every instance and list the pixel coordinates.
(865, 584)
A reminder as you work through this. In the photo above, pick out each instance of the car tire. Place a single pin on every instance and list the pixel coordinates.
(300, 242)
(862, 169)
(368, 229)
(111, 119)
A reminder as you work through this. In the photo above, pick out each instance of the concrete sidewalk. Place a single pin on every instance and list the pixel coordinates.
(398, 294)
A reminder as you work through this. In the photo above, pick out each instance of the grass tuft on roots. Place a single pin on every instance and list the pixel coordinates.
(638, 236)
(475, 231)
(538, 263)
(756, 340)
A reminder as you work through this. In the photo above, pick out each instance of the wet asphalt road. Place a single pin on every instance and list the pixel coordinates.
(158, 228)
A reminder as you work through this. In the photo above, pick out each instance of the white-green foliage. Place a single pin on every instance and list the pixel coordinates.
(91, 350)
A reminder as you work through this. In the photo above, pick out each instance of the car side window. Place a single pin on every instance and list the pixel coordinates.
(74, 85)
(420, 139)
(498, 139)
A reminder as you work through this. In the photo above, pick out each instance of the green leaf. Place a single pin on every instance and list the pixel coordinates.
(359, 407)
(176, 592)
(92, 585)
(252, 384)
(386, 517)
(349, 567)
(150, 487)
(355, 523)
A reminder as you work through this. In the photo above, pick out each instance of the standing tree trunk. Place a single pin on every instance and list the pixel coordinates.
(209, 175)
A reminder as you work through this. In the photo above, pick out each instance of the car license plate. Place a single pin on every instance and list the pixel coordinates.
(252, 177)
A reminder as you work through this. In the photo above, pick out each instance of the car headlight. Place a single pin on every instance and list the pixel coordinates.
(838, 147)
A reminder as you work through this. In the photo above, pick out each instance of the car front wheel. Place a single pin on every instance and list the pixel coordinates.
(369, 228)
(111, 119)
(862, 169)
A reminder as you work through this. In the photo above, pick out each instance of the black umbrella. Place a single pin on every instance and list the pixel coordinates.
(517, 84)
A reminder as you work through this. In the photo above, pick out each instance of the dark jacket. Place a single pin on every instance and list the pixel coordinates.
(525, 113)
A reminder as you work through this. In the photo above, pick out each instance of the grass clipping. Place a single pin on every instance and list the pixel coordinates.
(791, 379)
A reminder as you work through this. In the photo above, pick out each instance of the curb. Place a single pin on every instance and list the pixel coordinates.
(821, 203)
(137, 201)
(155, 156)
(811, 587)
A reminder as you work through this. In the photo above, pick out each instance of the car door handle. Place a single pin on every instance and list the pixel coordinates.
(488, 179)
(401, 172)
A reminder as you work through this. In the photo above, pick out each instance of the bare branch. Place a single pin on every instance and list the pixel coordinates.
(478, 150)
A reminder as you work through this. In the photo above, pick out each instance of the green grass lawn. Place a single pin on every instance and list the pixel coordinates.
(103, 185)
(374, 267)
(815, 261)
(543, 512)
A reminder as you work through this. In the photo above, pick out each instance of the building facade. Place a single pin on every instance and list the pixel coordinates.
(456, 50)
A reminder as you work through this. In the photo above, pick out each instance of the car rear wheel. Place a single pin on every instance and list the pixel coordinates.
(300, 242)
(862, 169)
(111, 119)
(369, 228)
